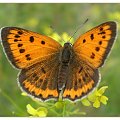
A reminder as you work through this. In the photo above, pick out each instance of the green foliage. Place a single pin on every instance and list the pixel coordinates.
(64, 18)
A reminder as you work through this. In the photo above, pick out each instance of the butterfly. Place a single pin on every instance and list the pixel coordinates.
(49, 70)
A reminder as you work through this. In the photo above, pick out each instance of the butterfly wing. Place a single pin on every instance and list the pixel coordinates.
(38, 57)
(82, 79)
(94, 46)
(90, 51)
(40, 79)
(24, 48)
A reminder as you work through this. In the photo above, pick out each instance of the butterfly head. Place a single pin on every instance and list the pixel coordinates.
(67, 45)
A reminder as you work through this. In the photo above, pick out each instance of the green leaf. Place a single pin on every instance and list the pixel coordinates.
(102, 89)
(85, 102)
(104, 100)
(31, 110)
(96, 104)
(59, 104)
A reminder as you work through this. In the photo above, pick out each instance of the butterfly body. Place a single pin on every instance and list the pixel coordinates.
(65, 59)
(47, 67)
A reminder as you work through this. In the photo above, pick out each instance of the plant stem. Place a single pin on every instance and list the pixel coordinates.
(11, 101)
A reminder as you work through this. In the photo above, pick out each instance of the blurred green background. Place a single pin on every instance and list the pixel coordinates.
(64, 18)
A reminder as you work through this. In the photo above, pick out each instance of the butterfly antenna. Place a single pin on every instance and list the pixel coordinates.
(56, 32)
(78, 29)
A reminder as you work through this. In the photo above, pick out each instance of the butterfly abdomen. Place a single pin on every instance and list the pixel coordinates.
(64, 66)
(62, 76)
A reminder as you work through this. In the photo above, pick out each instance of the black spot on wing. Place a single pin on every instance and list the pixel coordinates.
(42, 42)
(16, 40)
(22, 50)
(103, 32)
(31, 39)
(20, 32)
(28, 57)
(20, 45)
(97, 48)
(92, 36)
(84, 40)
(100, 42)
(103, 37)
(17, 36)
(92, 55)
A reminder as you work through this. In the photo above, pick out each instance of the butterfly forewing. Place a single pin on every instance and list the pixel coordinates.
(25, 48)
(94, 46)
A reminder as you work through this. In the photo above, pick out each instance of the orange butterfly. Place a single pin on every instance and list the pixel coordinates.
(49, 70)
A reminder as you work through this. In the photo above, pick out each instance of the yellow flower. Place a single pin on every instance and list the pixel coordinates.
(96, 98)
(85, 102)
(24, 94)
(40, 112)
(63, 38)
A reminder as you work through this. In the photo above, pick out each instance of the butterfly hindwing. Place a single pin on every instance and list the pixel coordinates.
(39, 80)
(82, 79)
